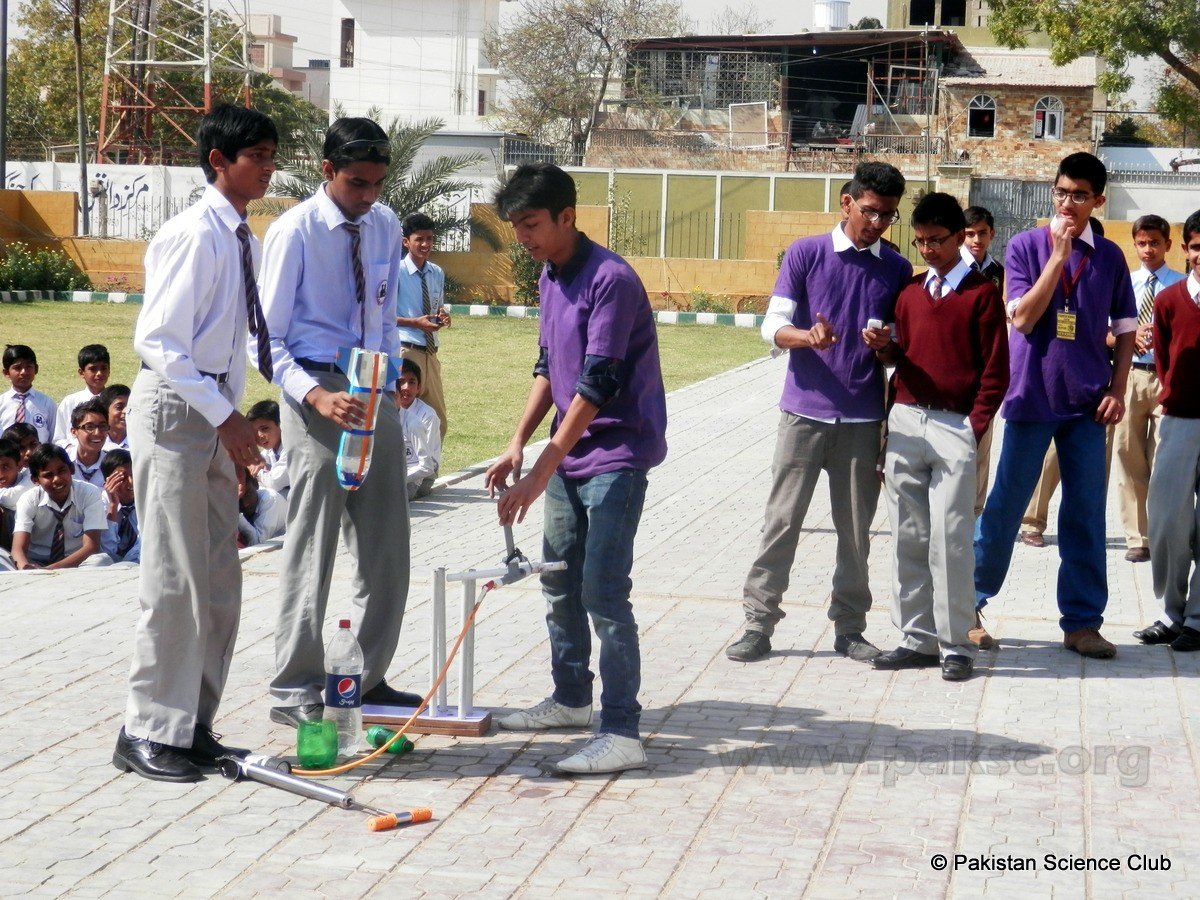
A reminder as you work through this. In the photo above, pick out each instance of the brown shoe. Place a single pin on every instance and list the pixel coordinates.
(1033, 539)
(1138, 554)
(1088, 642)
(979, 635)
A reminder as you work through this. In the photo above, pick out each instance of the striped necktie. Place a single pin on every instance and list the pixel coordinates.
(935, 287)
(360, 280)
(20, 417)
(427, 307)
(58, 543)
(1146, 305)
(126, 532)
(254, 313)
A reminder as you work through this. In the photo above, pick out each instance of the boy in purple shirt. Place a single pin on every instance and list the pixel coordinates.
(830, 288)
(1067, 286)
(598, 369)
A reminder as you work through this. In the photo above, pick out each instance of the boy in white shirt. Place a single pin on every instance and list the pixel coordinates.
(263, 513)
(22, 403)
(58, 522)
(272, 470)
(122, 541)
(422, 431)
(115, 398)
(89, 432)
(94, 366)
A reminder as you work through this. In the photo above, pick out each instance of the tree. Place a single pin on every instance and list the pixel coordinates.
(867, 23)
(560, 57)
(732, 19)
(429, 187)
(1116, 30)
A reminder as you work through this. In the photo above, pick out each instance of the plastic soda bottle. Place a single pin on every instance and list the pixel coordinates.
(343, 688)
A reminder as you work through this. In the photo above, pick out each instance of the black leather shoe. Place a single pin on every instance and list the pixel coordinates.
(1187, 642)
(856, 647)
(750, 647)
(292, 716)
(957, 668)
(1158, 633)
(384, 695)
(206, 751)
(152, 760)
(903, 658)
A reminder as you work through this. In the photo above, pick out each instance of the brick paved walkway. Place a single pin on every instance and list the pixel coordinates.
(805, 774)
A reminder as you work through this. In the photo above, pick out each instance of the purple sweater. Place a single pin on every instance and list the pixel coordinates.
(848, 288)
(1054, 380)
(597, 306)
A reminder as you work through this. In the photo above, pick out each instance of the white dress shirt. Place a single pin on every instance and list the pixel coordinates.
(275, 476)
(91, 474)
(308, 292)
(10, 495)
(62, 433)
(1193, 287)
(270, 519)
(193, 316)
(40, 412)
(953, 278)
(422, 440)
(88, 513)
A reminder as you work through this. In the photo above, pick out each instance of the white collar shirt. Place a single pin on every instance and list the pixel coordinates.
(91, 474)
(422, 440)
(193, 318)
(270, 518)
(62, 433)
(308, 293)
(953, 278)
(1193, 288)
(969, 258)
(40, 412)
(35, 516)
(841, 241)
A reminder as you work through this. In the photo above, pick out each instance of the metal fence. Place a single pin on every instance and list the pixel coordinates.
(521, 150)
(1154, 176)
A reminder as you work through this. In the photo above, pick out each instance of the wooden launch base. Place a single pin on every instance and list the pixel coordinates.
(477, 724)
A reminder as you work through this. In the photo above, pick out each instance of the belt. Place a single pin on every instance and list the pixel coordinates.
(1145, 367)
(219, 379)
(428, 348)
(313, 365)
(929, 408)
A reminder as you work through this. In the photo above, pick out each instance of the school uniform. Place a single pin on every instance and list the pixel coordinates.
(62, 431)
(270, 519)
(422, 292)
(38, 516)
(311, 298)
(122, 540)
(91, 474)
(422, 447)
(275, 476)
(34, 408)
(191, 337)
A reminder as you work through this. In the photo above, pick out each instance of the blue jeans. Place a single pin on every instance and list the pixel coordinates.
(1082, 577)
(590, 524)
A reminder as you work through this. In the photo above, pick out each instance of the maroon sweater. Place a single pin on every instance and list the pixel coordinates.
(953, 355)
(1177, 351)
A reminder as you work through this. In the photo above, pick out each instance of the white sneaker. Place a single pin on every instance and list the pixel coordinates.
(606, 753)
(547, 714)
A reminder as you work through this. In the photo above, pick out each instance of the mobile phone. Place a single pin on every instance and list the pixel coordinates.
(875, 324)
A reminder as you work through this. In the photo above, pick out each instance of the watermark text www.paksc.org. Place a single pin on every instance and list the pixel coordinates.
(1130, 763)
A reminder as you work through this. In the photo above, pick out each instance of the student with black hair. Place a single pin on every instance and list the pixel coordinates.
(115, 398)
(94, 368)
(330, 269)
(89, 433)
(950, 355)
(981, 231)
(422, 432)
(1066, 287)
(421, 311)
(122, 540)
(833, 293)
(598, 370)
(26, 437)
(14, 482)
(59, 522)
(22, 403)
(187, 435)
(271, 471)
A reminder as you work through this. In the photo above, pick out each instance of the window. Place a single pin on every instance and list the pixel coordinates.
(347, 44)
(1047, 119)
(921, 12)
(981, 117)
(954, 13)
(258, 55)
(481, 108)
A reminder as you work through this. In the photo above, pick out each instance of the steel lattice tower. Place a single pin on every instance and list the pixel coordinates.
(148, 113)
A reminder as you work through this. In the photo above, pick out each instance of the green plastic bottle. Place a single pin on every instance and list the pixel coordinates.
(377, 736)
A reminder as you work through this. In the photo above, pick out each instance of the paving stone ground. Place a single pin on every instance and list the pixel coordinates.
(803, 775)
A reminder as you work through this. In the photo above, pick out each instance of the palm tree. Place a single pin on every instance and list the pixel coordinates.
(431, 187)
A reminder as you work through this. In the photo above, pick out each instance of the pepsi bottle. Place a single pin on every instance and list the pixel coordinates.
(343, 688)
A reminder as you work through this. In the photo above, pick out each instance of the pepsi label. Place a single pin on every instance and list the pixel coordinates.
(343, 691)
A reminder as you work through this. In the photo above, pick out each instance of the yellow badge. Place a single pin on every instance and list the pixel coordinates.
(1066, 325)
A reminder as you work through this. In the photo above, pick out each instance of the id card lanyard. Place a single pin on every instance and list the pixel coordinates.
(1066, 318)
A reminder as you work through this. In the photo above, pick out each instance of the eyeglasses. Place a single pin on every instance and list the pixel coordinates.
(874, 215)
(93, 427)
(931, 243)
(1076, 198)
(364, 147)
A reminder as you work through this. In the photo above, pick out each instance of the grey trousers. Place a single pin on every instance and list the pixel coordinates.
(191, 581)
(1174, 520)
(373, 521)
(930, 475)
(848, 454)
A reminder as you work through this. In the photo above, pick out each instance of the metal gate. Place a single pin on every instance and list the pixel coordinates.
(1015, 205)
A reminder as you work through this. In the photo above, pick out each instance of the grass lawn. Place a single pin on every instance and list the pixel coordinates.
(486, 363)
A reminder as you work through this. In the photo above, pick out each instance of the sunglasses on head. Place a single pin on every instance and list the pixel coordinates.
(364, 147)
